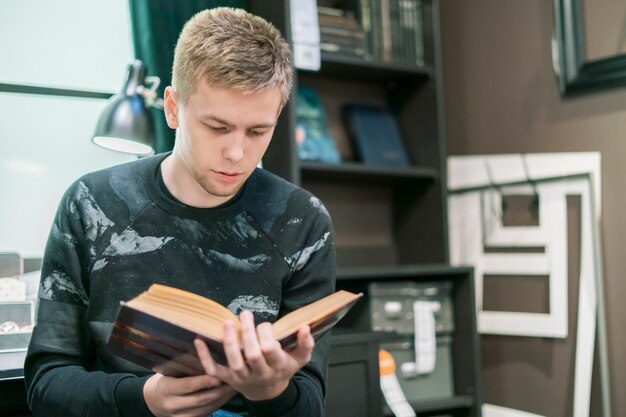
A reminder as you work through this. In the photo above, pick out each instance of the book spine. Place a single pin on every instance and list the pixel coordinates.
(142, 349)
(394, 22)
(343, 40)
(365, 19)
(157, 344)
(377, 29)
(419, 35)
(385, 26)
(346, 32)
(407, 25)
(342, 50)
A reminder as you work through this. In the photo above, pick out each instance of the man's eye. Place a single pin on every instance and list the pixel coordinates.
(219, 129)
(257, 132)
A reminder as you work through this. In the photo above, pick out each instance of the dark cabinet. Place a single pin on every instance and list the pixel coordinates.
(390, 222)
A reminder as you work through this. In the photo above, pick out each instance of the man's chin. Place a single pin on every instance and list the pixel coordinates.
(222, 192)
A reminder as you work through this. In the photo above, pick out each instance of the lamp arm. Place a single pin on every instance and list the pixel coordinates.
(150, 93)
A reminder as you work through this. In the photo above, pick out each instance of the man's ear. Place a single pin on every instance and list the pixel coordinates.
(170, 107)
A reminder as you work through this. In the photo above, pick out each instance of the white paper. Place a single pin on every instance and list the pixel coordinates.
(425, 340)
(306, 56)
(425, 335)
(394, 396)
(305, 34)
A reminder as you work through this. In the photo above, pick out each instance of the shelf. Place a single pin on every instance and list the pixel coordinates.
(340, 337)
(355, 68)
(359, 172)
(13, 397)
(400, 271)
(390, 222)
(12, 364)
(439, 405)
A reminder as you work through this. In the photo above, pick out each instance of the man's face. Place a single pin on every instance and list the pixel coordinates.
(222, 135)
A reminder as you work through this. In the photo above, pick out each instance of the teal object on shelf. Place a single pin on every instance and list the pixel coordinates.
(313, 139)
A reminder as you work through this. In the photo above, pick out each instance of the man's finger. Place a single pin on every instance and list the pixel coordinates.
(203, 403)
(271, 348)
(191, 384)
(304, 348)
(232, 349)
(209, 365)
(251, 348)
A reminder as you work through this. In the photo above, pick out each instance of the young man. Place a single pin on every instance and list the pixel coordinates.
(204, 219)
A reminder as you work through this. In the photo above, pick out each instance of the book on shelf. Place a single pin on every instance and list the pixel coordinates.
(330, 16)
(393, 30)
(314, 141)
(343, 42)
(342, 51)
(341, 33)
(157, 328)
(342, 37)
(376, 135)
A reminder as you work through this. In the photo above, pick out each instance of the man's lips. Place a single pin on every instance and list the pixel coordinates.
(228, 175)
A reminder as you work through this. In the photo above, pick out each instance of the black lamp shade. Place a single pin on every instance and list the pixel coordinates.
(125, 125)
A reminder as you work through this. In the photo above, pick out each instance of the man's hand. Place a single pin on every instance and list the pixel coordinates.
(192, 396)
(267, 369)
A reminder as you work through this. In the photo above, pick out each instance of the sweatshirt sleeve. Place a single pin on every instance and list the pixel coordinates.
(313, 266)
(61, 355)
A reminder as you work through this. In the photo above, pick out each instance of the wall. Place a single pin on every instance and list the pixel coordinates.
(45, 139)
(501, 96)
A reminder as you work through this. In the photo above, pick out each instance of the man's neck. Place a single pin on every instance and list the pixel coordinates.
(183, 186)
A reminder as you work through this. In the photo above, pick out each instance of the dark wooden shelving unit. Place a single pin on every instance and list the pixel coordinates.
(390, 223)
(354, 171)
(401, 271)
(347, 67)
(465, 346)
(459, 404)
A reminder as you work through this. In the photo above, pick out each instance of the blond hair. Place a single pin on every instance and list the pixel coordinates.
(233, 48)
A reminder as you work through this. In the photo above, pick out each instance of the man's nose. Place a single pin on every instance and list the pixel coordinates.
(234, 149)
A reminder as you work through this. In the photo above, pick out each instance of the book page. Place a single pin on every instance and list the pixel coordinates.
(185, 309)
(314, 312)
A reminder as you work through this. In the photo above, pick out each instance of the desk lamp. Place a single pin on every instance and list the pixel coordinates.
(125, 125)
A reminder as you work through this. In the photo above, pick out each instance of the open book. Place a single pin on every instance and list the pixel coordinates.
(157, 328)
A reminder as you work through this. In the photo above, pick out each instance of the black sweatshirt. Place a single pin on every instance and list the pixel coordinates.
(269, 250)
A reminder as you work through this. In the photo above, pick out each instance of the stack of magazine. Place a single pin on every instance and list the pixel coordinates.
(341, 33)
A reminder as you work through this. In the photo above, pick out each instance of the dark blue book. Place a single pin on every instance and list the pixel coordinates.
(376, 135)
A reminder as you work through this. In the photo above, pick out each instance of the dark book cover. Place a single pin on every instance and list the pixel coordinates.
(376, 135)
(158, 344)
(167, 348)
